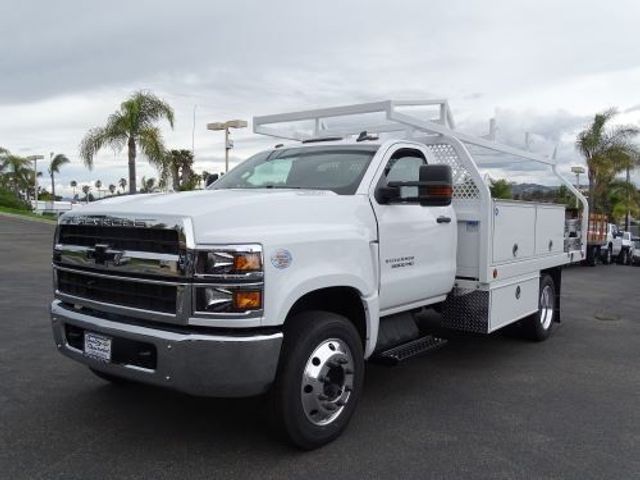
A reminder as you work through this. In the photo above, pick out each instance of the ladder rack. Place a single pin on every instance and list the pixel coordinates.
(395, 119)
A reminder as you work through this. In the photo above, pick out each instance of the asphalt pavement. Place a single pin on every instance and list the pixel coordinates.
(482, 407)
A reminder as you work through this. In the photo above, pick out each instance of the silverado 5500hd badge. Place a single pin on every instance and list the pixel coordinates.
(400, 262)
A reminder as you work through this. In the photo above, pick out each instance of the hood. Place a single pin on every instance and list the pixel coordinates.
(236, 216)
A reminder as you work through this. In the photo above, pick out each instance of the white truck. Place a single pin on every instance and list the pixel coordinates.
(308, 259)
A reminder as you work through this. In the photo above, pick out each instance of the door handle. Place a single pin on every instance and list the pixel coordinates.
(443, 219)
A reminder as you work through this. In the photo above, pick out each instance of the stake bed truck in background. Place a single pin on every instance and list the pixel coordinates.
(288, 273)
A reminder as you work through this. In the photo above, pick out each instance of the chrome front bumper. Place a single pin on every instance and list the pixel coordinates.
(194, 363)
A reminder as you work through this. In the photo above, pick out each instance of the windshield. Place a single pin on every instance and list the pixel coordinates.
(338, 168)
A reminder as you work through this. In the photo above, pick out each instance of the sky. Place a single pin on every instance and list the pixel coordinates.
(541, 66)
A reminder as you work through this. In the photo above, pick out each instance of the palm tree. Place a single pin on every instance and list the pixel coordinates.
(112, 188)
(55, 162)
(98, 185)
(132, 125)
(74, 184)
(178, 164)
(86, 189)
(607, 151)
(16, 169)
(147, 185)
(122, 183)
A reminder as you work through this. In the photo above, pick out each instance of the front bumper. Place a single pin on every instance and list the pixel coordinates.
(194, 363)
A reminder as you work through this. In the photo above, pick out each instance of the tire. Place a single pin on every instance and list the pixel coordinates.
(592, 256)
(321, 365)
(538, 327)
(111, 378)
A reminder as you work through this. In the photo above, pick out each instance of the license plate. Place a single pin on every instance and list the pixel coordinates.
(97, 347)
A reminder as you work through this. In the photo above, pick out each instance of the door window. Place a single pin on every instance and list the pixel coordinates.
(404, 166)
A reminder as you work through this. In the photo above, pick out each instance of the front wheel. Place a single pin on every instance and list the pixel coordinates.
(319, 380)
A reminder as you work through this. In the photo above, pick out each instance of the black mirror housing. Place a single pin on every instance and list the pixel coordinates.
(435, 188)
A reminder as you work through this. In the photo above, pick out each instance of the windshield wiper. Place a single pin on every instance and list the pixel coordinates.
(281, 186)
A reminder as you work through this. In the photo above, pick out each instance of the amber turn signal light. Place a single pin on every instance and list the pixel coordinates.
(247, 300)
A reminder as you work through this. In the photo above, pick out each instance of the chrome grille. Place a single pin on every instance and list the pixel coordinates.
(156, 240)
(118, 291)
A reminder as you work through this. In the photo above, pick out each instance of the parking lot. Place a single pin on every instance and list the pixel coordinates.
(482, 407)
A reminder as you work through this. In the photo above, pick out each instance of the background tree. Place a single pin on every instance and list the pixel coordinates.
(500, 189)
(122, 183)
(74, 184)
(624, 200)
(607, 151)
(98, 186)
(112, 188)
(178, 168)
(86, 189)
(147, 185)
(203, 178)
(55, 162)
(16, 171)
(132, 125)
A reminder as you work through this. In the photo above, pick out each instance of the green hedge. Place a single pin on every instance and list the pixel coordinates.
(9, 200)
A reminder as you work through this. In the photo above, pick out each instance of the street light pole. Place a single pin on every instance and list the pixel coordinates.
(228, 143)
(35, 159)
(226, 150)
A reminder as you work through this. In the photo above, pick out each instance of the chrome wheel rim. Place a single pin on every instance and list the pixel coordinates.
(327, 382)
(546, 306)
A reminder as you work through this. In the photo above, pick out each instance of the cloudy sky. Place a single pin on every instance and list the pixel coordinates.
(540, 66)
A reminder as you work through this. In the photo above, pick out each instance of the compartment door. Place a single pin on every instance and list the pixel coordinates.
(513, 231)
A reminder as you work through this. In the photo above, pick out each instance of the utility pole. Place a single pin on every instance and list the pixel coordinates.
(627, 220)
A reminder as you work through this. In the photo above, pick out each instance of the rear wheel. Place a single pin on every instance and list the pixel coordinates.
(319, 378)
(538, 326)
(592, 256)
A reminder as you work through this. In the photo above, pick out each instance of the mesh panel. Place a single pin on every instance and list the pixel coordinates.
(466, 310)
(464, 188)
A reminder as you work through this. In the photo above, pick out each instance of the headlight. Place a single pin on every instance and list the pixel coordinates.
(230, 280)
(230, 260)
(234, 299)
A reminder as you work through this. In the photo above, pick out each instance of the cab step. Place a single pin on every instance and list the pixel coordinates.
(411, 349)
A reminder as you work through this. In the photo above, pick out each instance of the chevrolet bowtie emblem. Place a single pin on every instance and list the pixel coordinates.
(101, 254)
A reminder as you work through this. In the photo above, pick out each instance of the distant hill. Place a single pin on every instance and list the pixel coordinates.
(530, 188)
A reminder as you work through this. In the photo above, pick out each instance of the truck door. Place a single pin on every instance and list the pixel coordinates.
(417, 245)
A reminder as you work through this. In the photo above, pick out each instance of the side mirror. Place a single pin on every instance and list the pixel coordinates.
(435, 187)
(211, 178)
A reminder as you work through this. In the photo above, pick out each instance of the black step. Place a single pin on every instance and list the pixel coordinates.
(411, 349)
